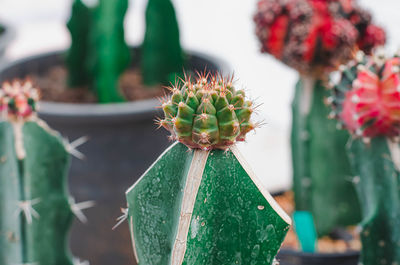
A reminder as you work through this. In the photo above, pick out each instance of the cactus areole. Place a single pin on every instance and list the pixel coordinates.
(366, 101)
(35, 210)
(204, 205)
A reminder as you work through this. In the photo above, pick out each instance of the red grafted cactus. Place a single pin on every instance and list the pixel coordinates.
(313, 35)
(207, 113)
(367, 100)
(18, 99)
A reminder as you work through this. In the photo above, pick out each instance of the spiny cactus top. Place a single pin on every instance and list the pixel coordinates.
(313, 35)
(207, 113)
(367, 97)
(18, 100)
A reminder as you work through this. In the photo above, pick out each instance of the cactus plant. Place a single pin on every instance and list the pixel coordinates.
(203, 205)
(367, 103)
(315, 37)
(79, 26)
(99, 54)
(35, 211)
(161, 49)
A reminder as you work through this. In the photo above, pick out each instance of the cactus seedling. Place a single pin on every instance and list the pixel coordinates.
(204, 205)
(314, 37)
(367, 103)
(35, 212)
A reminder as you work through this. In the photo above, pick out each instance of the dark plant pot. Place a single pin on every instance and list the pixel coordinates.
(123, 142)
(291, 257)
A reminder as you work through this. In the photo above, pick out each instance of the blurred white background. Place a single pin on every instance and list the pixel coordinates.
(222, 28)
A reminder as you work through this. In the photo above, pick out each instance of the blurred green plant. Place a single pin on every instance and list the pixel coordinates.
(99, 54)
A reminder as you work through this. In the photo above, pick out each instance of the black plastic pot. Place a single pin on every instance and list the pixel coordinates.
(291, 257)
(123, 142)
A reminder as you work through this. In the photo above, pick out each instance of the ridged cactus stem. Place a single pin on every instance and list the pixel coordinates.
(321, 170)
(203, 207)
(376, 166)
(35, 210)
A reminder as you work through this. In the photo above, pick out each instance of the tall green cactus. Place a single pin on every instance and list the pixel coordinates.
(204, 206)
(378, 186)
(110, 55)
(366, 101)
(79, 26)
(35, 212)
(319, 186)
(162, 55)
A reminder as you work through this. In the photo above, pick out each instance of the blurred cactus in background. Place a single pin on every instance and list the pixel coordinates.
(366, 101)
(35, 209)
(315, 37)
(79, 26)
(161, 48)
(210, 207)
(99, 54)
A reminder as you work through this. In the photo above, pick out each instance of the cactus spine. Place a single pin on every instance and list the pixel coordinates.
(204, 206)
(35, 213)
(366, 101)
(161, 49)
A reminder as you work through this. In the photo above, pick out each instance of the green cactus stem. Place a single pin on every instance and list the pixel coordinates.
(203, 207)
(162, 55)
(376, 166)
(79, 26)
(366, 102)
(35, 211)
(321, 170)
(110, 55)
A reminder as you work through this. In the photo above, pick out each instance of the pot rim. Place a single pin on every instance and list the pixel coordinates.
(84, 111)
(349, 253)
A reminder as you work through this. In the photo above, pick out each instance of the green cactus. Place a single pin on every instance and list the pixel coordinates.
(319, 186)
(366, 102)
(35, 212)
(76, 61)
(207, 114)
(204, 206)
(378, 186)
(162, 55)
(110, 55)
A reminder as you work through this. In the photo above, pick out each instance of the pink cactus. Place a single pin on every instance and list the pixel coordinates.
(18, 99)
(372, 106)
(315, 35)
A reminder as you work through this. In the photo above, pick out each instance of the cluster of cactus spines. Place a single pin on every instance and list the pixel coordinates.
(366, 100)
(18, 100)
(314, 36)
(207, 113)
(162, 55)
(35, 211)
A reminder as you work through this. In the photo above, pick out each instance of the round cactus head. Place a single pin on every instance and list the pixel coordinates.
(207, 113)
(367, 97)
(314, 36)
(18, 100)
